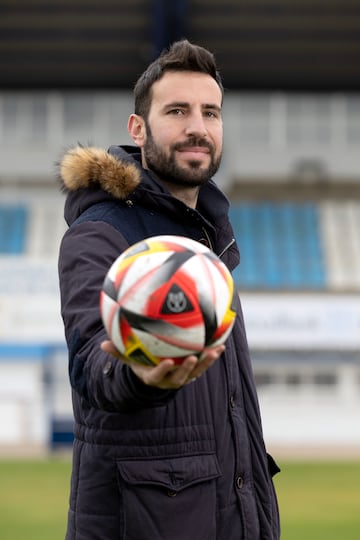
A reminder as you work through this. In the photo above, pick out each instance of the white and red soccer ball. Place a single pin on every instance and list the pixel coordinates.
(167, 297)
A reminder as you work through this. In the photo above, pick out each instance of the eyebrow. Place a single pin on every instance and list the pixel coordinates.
(212, 106)
(186, 105)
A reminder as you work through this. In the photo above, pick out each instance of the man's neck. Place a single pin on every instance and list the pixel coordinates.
(188, 195)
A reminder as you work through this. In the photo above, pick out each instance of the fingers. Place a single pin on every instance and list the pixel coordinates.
(152, 376)
(166, 375)
(207, 359)
(108, 347)
(180, 376)
(158, 376)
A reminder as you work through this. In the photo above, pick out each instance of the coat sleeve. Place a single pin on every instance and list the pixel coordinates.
(86, 253)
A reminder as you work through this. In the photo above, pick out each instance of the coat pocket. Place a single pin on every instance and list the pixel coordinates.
(170, 498)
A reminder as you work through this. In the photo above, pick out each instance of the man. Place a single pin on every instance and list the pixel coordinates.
(156, 457)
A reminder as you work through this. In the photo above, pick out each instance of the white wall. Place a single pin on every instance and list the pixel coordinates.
(23, 411)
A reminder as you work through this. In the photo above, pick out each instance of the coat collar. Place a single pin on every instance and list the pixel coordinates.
(91, 175)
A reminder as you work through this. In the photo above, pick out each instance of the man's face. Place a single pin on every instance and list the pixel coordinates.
(183, 142)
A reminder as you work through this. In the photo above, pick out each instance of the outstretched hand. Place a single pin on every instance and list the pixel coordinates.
(166, 375)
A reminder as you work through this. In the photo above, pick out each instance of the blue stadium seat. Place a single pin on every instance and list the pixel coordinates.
(61, 433)
(13, 224)
(280, 246)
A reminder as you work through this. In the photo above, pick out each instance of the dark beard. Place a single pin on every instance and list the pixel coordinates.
(166, 168)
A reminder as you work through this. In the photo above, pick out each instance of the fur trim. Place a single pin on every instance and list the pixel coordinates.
(83, 167)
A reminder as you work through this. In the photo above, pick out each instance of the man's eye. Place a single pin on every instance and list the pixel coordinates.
(211, 114)
(176, 112)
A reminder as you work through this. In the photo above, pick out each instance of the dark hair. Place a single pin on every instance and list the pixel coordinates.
(181, 56)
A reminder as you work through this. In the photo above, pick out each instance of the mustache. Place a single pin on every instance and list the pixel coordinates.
(194, 141)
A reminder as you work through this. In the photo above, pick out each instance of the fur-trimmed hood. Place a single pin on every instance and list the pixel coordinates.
(90, 175)
(90, 167)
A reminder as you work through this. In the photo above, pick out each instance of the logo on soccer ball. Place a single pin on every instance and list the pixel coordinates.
(176, 301)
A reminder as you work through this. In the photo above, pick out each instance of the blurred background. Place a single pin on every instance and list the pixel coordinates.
(291, 168)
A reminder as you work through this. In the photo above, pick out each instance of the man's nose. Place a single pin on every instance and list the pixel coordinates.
(196, 125)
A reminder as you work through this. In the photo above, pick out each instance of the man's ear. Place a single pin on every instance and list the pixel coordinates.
(137, 129)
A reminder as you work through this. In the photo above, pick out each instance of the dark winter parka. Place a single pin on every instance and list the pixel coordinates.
(154, 464)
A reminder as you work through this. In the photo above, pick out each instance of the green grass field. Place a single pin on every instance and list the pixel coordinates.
(318, 501)
(33, 499)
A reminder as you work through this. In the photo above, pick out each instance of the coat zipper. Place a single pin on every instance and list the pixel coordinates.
(227, 247)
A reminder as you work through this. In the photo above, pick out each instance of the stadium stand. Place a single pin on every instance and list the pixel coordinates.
(288, 44)
(34, 229)
(289, 245)
(280, 246)
(73, 44)
(13, 227)
(290, 167)
(46, 228)
(340, 226)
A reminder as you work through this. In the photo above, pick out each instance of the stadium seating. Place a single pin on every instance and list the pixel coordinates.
(297, 246)
(280, 246)
(13, 224)
(283, 245)
(33, 228)
(46, 227)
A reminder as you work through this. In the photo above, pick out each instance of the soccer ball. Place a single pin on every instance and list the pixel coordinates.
(167, 297)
